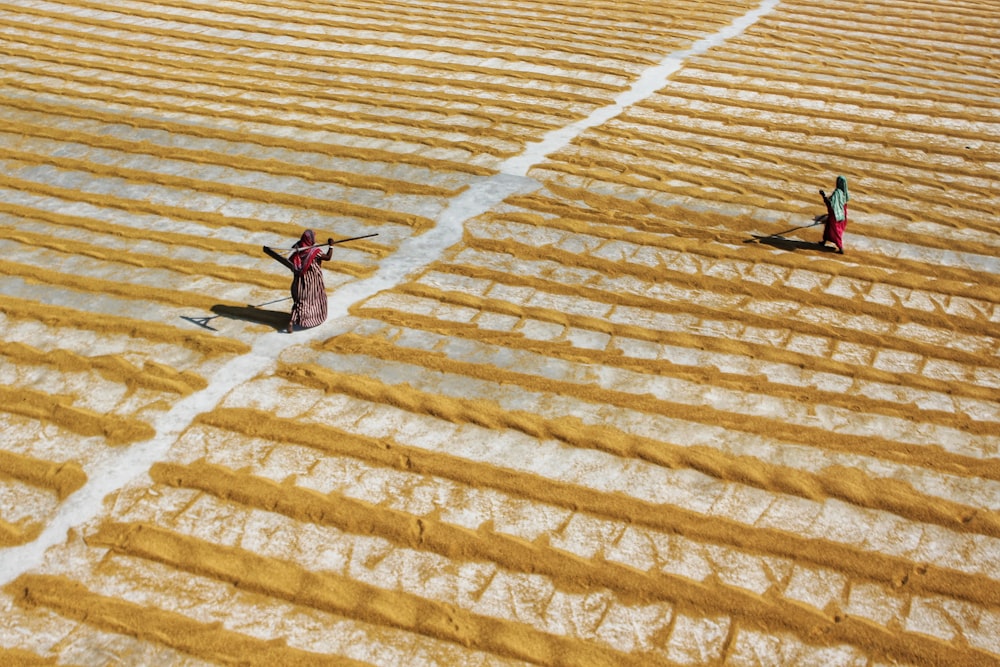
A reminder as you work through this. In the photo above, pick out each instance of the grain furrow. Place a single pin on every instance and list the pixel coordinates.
(221, 110)
(894, 571)
(439, 537)
(64, 317)
(584, 312)
(341, 595)
(123, 14)
(208, 641)
(242, 162)
(976, 348)
(62, 478)
(180, 50)
(613, 218)
(676, 246)
(60, 410)
(342, 100)
(152, 376)
(811, 82)
(137, 175)
(407, 32)
(840, 483)
(300, 50)
(975, 417)
(118, 202)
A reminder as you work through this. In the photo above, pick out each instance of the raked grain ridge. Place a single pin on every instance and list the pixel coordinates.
(635, 417)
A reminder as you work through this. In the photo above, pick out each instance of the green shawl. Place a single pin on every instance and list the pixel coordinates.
(839, 198)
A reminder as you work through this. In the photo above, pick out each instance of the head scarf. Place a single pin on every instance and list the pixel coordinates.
(305, 251)
(839, 198)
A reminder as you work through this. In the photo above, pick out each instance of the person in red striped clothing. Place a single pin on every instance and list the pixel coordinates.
(308, 290)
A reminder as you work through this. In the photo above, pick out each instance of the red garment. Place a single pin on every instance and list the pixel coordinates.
(308, 290)
(833, 229)
(309, 297)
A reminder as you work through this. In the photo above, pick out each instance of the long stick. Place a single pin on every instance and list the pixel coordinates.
(268, 303)
(323, 245)
(817, 222)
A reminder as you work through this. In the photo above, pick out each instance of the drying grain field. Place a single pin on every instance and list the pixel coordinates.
(593, 395)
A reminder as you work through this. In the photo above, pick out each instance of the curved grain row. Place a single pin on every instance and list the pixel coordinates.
(334, 593)
(685, 290)
(394, 454)
(112, 614)
(673, 166)
(457, 296)
(510, 554)
(220, 109)
(58, 410)
(417, 76)
(147, 305)
(677, 257)
(411, 33)
(288, 145)
(62, 478)
(594, 17)
(940, 226)
(747, 418)
(575, 210)
(883, 42)
(479, 473)
(31, 488)
(810, 81)
(228, 185)
(336, 110)
(63, 317)
(118, 207)
(659, 134)
(350, 46)
(207, 157)
(809, 59)
(912, 282)
(885, 395)
(882, 38)
(681, 321)
(360, 93)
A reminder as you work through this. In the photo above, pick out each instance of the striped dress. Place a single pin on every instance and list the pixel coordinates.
(309, 296)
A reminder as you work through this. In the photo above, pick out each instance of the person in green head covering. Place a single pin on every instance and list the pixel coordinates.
(836, 215)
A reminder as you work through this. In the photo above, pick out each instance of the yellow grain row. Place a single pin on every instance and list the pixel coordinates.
(423, 533)
(210, 642)
(206, 344)
(578, 210)
(893, 571)
(704, 375)
(95, 46)
(343, 208)
(140, 207)
(893, 338)
(60, 410)
(836, 483)
(300, 50)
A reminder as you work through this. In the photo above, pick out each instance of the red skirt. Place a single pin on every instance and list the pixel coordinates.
(833, 230)
(309, 297)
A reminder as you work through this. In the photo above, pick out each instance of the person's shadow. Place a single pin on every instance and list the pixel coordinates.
(778, 239)
(276, 319)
